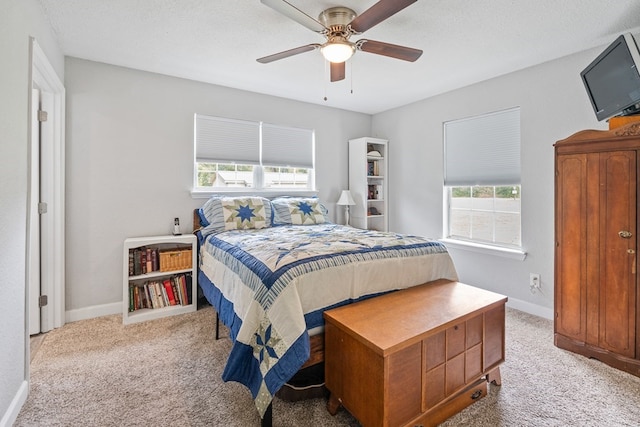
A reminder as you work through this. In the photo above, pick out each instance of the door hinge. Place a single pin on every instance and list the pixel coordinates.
(43, 300)
(42, 208)
(42, 116)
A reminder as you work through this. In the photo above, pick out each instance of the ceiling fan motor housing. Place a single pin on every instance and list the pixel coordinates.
(337, 20)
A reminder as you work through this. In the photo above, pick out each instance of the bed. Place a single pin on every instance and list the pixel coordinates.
(270, 268)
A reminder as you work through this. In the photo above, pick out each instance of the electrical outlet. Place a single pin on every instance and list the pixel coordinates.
(534, 282)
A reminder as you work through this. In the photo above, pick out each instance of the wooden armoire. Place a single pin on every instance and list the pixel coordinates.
(597, 300)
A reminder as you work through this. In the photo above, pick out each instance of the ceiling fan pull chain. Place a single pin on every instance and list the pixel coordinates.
(324, 79)
(351, 74)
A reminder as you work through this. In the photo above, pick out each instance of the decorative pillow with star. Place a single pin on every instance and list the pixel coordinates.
(244, 213)
(298, 211)
(222, 213)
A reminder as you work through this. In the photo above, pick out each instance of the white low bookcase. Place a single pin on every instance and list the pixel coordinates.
(161, 243)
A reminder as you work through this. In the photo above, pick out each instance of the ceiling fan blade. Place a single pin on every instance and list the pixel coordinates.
(292, 12)
(337, 71)
(378, 13)
(287, 53)
(388, 49)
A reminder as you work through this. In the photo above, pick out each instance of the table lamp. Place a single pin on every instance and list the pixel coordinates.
(346, 200)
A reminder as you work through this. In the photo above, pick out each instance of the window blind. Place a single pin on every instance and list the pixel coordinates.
(287, 146)
(222, 140)
(483, 150)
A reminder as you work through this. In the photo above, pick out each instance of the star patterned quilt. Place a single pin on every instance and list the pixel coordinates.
(270, 286)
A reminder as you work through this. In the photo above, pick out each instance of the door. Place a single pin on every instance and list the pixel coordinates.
(617, 317)
(41, 227)
(34, 220)
(571, 246)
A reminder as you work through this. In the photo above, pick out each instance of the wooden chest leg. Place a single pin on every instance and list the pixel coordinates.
(333, 404)
(494, 377)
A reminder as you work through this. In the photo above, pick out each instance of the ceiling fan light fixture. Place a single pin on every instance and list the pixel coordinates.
(337, 51)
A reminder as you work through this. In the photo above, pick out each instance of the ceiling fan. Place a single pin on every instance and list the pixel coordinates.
(338, 24)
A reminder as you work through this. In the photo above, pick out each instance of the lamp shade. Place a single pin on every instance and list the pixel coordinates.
(346, 199)
(337, 51)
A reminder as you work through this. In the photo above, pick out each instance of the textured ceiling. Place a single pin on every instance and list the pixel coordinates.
(218, 41)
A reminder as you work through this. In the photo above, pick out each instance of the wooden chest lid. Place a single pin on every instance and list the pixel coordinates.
(396, 320)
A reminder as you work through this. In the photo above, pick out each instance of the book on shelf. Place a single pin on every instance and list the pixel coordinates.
(132, 270)
(143, 261)
(147, 258)
(162, 294)
(131, 304)
(175, 290)
(137, 268)
(155, 260)
(185, 281)
(147, 293)
(152, 295)
(169, 292)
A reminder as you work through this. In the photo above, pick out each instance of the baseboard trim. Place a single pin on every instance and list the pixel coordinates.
(13, 410)
(527, 307)
(93, 311)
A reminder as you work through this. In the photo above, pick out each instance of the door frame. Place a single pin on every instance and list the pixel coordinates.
(51, 239)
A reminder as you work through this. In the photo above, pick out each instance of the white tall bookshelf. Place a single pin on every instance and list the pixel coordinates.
(368, 183)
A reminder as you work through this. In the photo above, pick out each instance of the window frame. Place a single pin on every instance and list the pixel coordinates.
(482, 246)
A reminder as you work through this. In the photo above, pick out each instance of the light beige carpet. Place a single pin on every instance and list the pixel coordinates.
(167, 372)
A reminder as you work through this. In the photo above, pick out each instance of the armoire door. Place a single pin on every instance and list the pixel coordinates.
(617, 252)
(571, 246)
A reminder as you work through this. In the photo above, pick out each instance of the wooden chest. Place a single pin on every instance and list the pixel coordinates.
(414, 357)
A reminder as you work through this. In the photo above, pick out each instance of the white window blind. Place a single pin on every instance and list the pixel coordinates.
(287, 146)
(483, 150)
(222, 140)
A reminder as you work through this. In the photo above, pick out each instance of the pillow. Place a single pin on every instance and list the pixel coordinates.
(298, 211)
(222, 213)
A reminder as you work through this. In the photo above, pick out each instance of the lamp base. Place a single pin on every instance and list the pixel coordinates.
(346, 215)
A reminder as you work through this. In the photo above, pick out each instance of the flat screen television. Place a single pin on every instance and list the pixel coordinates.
(612, 80)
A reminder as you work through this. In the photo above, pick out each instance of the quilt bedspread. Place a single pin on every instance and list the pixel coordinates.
(270, 286)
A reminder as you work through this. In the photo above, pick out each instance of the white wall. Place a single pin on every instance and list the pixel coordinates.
(18, 20)
(129, 163)
(553, 106)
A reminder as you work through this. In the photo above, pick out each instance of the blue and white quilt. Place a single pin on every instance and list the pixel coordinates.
(270, 286)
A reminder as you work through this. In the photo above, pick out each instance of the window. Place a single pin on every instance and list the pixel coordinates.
(234, 154)
(285, 177)
(485, 214)
(482, 179)
(220, 175)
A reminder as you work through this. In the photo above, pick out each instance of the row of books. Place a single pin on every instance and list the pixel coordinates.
(143, 260)
(165, 292)
(373, 168)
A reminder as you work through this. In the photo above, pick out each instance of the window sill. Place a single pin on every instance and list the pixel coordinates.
(485, 249)
(205, 194)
